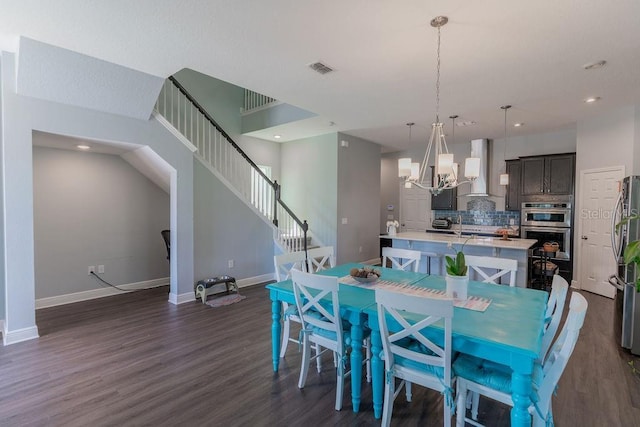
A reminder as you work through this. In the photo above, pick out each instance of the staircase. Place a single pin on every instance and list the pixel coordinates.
(222, 156)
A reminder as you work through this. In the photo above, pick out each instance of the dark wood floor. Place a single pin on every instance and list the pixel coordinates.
(136, 360)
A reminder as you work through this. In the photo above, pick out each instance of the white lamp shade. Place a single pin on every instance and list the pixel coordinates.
(504, 179)
(472, 167)
(404, 167)
(415, 171)
(445, 163)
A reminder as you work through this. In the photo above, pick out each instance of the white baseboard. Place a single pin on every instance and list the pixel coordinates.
(181, 298)
(98, 293)
(13, 337)
(249, 281)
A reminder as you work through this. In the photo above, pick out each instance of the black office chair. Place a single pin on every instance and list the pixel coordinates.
(166, 235)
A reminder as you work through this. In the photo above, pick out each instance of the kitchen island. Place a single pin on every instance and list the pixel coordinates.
(444, 244)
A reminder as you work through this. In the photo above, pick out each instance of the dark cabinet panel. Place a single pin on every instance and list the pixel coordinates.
(445, 201)
(548, 174)
(560, 173)
(532, 175)
(512, 195)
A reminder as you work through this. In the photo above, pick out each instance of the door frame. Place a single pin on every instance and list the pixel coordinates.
(577, 244)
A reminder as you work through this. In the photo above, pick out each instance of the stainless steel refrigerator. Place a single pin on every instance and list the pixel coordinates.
(627, 320)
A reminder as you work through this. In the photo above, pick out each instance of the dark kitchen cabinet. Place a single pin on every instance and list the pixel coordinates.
(447, 200)
(513, 190)
(547, 174)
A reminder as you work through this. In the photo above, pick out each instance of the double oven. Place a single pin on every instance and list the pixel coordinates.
(549, 221)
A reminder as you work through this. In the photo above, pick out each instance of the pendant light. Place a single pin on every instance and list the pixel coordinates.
(445, 175)
(504, 177)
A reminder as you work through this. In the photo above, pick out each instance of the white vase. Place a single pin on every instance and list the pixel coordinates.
(391, 230)
(457, 286)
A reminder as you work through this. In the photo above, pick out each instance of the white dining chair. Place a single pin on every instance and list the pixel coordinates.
(473, 374)
(490, 269)
(321, 258)
(284, 264)
(401, 259)
(321, 326)
(553, 315)
(409, 355)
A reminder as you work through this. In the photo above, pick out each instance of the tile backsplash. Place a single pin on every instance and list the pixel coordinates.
(481, 217)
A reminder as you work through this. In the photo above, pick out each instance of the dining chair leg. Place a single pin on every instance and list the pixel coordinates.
(475, 397)
(461, 404)
(368, 358)
(304, 369)
(285, 337)
(387, 407)
(340, 386)
(407, 391)
(318, 351)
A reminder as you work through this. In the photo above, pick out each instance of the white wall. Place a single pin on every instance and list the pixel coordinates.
(92, 209)
(358, 200)
(23, 115)
(609, 139)
(309, 179)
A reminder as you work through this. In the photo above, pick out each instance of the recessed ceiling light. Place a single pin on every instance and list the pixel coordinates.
(592, 99)
(517, 125)
(277, 136)
(594, 65)
(83, 147)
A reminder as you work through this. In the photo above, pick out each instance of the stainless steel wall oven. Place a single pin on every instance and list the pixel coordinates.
(549, 222)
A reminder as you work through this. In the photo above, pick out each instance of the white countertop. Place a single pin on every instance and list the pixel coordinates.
(490, 242)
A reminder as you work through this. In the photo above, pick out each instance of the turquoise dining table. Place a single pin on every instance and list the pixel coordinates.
(508, 332)
(353, 301)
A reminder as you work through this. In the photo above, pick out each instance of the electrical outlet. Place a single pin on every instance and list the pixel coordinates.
(345, 221)
(230, 263)
(360, 249)
(100, 269)
(92, 269)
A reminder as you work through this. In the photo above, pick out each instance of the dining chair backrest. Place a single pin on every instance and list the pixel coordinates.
(555, 307)
(490, 269)
(286, 262)
(427, 311)
(321, 258)
(309, 290)
(560, 352)
(401, 259)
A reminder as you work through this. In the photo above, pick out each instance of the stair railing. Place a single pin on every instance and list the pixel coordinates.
(217, 149)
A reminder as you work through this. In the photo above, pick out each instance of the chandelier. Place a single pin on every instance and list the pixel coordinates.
(445, 174)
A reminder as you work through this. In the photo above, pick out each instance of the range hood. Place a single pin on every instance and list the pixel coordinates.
(480, 149)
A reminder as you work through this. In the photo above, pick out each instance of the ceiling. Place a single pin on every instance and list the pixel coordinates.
(527, 54)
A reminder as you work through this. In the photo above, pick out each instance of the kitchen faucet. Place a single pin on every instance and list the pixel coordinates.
(459, 232)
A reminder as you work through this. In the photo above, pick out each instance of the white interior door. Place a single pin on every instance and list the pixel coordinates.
(415, 205)
(598, 193)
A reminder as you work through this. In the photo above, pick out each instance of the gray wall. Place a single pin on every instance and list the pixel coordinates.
(92, 209)
(358, 199)
(226, 229)
(310, 183)
(223, 101)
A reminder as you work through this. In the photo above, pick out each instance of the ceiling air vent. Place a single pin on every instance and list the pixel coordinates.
(319, 67)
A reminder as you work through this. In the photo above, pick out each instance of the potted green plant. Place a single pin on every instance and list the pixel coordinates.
(457, 277)
(632, 251)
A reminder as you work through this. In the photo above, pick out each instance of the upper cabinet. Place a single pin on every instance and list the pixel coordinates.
(445, 201)
(547, 174)
(512, 195)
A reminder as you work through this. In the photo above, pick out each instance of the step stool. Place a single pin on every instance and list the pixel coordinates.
(204, 287)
